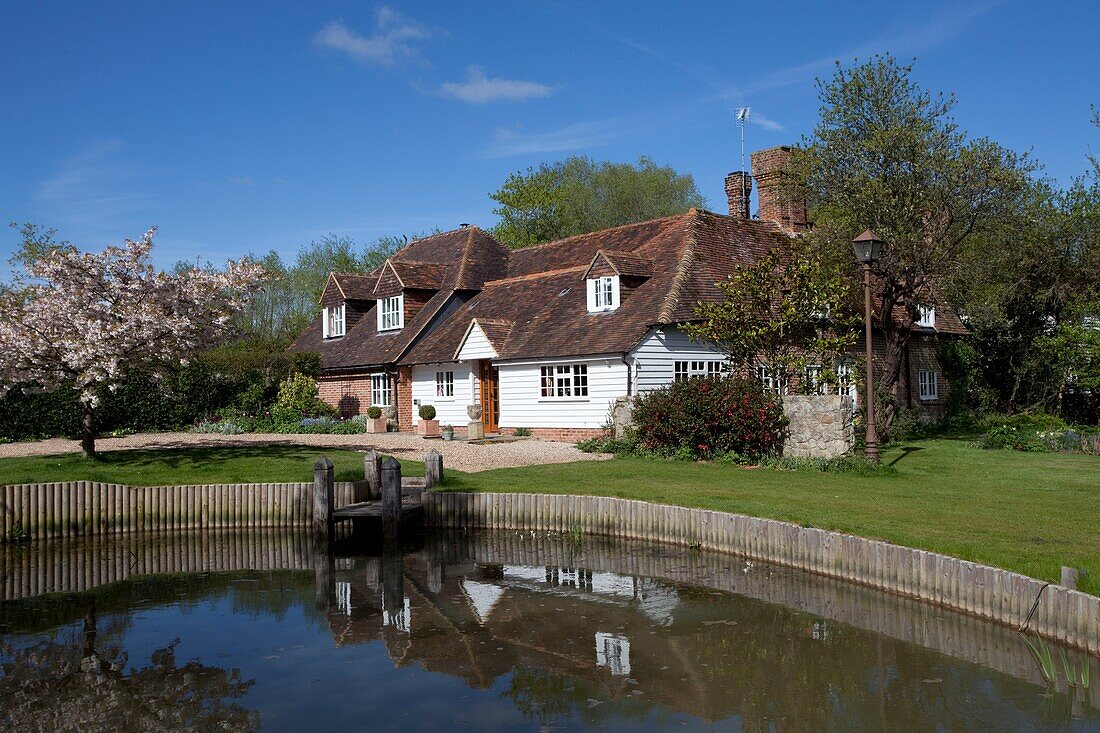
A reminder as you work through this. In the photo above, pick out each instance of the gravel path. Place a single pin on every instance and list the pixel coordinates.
(457, 455)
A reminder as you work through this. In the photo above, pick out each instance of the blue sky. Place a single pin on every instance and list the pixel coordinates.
(243, 127)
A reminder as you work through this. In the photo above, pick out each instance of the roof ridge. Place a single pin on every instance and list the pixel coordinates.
(535, 275)
(683, 271)
(565, 240)
(465, 257)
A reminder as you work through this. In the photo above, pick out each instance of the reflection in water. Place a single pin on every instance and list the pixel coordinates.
(491, 631)
(68, 681)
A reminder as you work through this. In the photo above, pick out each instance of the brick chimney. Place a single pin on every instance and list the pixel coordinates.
(767, 168)
(738, 192)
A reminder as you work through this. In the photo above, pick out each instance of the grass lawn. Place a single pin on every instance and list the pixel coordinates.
(192, 465)
(1028, 512)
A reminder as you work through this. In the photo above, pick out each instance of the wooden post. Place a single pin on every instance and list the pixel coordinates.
(1069, 577)
(433, 469)
(323, 495)
(393, 586)
(391, 498)
(372, 473)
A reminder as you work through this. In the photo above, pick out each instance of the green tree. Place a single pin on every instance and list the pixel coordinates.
(789, 310)
(886, 154)
(579, 195)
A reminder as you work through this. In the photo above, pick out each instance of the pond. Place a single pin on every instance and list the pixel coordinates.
(493, 631)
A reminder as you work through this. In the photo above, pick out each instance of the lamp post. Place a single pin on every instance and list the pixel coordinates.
(868, 248)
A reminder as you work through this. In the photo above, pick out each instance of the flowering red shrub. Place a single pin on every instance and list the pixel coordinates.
(710, 417)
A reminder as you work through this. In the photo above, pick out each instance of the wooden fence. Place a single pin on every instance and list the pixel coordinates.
(84, 508)
(1055, 612)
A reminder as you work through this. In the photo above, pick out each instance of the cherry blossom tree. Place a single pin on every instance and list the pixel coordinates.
(89, 319)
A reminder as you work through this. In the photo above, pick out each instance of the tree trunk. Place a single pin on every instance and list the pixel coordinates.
(87, 432)
(896, 340)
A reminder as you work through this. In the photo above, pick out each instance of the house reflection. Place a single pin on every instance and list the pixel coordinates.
(598, 642)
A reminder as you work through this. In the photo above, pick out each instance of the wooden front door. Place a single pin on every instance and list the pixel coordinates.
(490, 396)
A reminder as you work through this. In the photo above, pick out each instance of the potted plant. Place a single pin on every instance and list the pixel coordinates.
(376, 423)
(428, 426)
(448, 432)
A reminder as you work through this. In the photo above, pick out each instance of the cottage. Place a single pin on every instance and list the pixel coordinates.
(549, 337)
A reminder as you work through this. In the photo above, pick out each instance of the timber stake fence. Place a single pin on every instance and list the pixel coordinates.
(87, 508)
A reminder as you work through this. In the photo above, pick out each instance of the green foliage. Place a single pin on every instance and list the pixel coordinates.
(288, 302)
(374, 412)
(708, 417)
(850, 464)
(522, 432)
(246, 374)
(427, 412)
(298, 399)
(809, 324)
(578, 195)
(886, 154)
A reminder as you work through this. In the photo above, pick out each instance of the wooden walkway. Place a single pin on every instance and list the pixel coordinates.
(411, 510)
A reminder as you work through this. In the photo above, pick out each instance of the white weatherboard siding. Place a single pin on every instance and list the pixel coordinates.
(522, 406)
(448, 410)
(654, 358)
(476, 345)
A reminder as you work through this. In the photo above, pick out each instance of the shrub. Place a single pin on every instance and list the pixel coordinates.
(1007, 436)
(374, 412)
(221, 427)
(427, 412)
(708, 417)
(297, 399)
(523, 432)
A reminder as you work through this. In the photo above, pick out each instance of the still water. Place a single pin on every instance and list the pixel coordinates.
(491, 631)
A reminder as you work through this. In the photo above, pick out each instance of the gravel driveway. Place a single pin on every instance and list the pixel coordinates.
(457, 455)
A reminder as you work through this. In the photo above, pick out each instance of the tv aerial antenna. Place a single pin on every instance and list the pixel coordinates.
(743, 118)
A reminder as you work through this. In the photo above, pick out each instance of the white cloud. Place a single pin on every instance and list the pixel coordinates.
(766, 123)
(575, 136)
(479, 89)
(396, 39)
(95, 194)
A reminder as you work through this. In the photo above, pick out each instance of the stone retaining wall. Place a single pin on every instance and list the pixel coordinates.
(820, 426)
(1068, 616)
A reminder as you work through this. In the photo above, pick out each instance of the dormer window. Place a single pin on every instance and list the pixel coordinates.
(603, 293)
(391, 313)
(333, 321)
(926, 316)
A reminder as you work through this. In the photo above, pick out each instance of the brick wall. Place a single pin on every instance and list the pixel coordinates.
(404, 399)
(767, 169)
(565, 435)
(738, 193)
(348, 394)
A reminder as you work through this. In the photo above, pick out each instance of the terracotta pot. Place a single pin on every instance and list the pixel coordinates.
(378, 425)
(428, 428)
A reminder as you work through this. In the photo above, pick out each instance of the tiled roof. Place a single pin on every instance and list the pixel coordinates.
(419, 275)
(531, 303)
(544, 296)
(625, 264)
(459, 260)
(355, 287)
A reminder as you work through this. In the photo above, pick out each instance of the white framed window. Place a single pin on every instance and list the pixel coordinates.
(682, 370)
(926, 315)
(380, 390)
(929, 382)
(613, 653)
(444, 384)
(846, 381)
(814, 380)
(333, 322)
(563, 380)
(772, 380)
(603, 294)
(391, 313)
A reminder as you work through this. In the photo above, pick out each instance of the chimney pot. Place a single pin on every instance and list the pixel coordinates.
(768, 169)
(738, 193)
